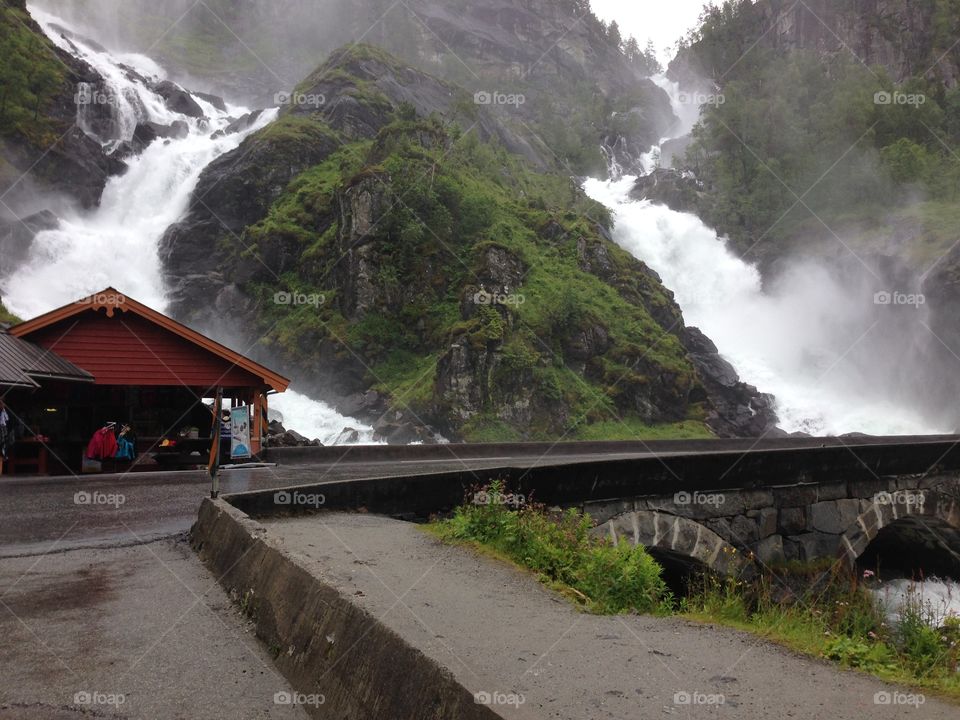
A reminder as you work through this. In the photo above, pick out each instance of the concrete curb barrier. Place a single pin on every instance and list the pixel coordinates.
(324, 643)
(310, 455)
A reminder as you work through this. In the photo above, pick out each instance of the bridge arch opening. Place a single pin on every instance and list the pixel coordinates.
(681, 573)
(917, 535)
(914, 547)
(685, 549)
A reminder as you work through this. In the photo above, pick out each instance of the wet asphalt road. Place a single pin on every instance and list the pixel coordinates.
(132, 632)
(42, 515)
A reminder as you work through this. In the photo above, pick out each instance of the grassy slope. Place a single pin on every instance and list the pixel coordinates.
(30, 73)
(7, 317)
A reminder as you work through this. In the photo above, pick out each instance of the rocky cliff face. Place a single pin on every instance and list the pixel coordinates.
(906, 38)
(557, 56)
(428, 279)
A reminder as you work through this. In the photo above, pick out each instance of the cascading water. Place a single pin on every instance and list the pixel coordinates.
(791, 341)
(797, 341)
(316, 419)
(117, 243)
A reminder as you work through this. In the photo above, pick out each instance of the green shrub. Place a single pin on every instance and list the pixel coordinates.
(557, 545)
(856, 653)
(819, 608)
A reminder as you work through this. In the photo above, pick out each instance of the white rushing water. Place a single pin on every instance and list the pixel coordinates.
(316, 420)
(792, 340)
(938, 599)
(116, 244)
(796, 340)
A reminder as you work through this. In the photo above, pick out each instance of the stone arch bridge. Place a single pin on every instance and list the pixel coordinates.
(914, 517)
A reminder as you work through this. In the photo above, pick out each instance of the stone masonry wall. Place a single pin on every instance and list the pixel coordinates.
(794, 522)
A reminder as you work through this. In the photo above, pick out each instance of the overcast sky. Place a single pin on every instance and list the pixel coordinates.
(663, 21)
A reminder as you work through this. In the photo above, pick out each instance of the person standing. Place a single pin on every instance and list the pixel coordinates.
(6, 434)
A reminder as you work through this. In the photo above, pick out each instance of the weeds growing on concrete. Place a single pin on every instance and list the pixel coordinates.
(603, 577)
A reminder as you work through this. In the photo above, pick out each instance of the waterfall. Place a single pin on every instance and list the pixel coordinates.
(117, 243)
(799, 340)
(791, 340)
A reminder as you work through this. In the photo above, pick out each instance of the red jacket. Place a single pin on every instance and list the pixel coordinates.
(102, 445)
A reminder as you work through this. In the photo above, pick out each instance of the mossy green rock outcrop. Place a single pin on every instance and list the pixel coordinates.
(383, 245)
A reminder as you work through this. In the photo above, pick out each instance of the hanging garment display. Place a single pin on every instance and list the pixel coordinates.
(126, 444)
(103, 444)
(6, 434)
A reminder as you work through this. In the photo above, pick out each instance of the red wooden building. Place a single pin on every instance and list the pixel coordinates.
(149, 371)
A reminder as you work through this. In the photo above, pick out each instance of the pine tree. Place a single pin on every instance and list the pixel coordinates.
(650, 59)
(613, 34)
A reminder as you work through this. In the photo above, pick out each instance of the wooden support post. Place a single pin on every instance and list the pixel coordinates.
(259, 422)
